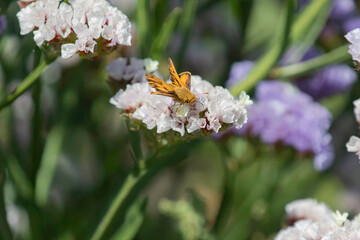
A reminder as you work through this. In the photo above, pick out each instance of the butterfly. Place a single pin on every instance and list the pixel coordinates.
(178, 89)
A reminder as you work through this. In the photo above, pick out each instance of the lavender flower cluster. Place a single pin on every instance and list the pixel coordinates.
(283, 114)
(324, 83)
(315, 221)
(88, 27)
(328, 81)
(214, 109)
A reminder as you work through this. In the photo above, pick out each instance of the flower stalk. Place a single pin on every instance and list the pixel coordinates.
(337, 55)
(135, 182)
(30, 80)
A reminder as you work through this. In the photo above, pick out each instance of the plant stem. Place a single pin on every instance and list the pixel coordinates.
(134, 183)
(337, 55)
(5, 232)
(25, 85)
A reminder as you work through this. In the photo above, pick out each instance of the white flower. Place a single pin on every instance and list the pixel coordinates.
(213, 109)
(134, 72)
(357, 110)
(77, 26)
(340, 218)
(353, 145)
(354, 38)
(307, 209)
(324, 226)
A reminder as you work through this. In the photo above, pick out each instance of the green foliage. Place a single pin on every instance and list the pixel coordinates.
(77, 169)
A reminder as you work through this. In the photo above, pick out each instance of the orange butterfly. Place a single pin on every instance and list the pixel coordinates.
(178, 90)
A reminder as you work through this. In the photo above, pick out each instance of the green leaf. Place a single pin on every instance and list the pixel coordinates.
(270, 58)
(186, 24)
(307, 18)
(143, 25)
(135, 182)
(5, 232)
(302, 44)
(48, 164)
(300, 28)
(133, 221)
(19, 178)
(337, 55)
(162, 40)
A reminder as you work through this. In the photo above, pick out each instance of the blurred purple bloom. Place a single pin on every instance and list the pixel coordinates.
(3, 23)
(342, 9)
(351, 24)
(238, 71)
(328, 81)
(283, 114)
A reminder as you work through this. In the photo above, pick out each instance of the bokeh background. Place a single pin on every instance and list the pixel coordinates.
(64, 139)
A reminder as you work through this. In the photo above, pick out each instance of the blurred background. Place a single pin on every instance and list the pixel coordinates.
(64, 139)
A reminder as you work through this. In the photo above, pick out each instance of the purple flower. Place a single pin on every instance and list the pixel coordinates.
(239, 70)
(351, 24)
(283, 114)
(3, 23)
(342, 9)
(328, 81)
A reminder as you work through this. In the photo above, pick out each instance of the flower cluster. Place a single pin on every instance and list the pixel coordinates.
(315, 221)
(354, 49)
(214, 109)
(283, 114)
(87, 27)
(353, 145)
(133, 71)
(323, 83)
(328, 81)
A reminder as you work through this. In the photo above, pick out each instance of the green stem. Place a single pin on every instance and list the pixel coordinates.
(225, 206)
(5, 231)
(25, 85)
(48, 164)
(133, 184)
(337, 55)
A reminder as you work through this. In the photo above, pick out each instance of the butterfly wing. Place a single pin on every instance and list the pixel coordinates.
(174, 77)
(161, 87)
(185, 79)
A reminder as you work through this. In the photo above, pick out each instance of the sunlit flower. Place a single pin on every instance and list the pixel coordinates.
(87, 27)
(317, 222)
(283, 114)
(214, 109)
